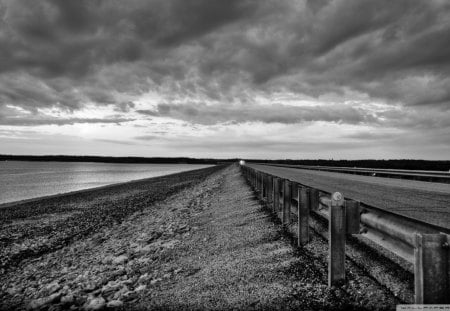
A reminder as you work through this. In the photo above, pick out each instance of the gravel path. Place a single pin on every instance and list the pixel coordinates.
(417, 199)
(210, 246)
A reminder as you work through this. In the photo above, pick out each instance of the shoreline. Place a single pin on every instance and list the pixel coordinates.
(50, 196)
(31, 229)
(112, 159)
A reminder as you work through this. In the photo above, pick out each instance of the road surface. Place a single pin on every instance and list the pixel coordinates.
(426, 201)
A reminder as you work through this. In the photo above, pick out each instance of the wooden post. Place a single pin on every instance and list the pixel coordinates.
(264, 182)
(336, 240)
(276, 194)
(280, 196)
(295, 189)
(269, 189)
(286, 212)
(258, 184)
(352, 217)
(431, 269)
(303, 215)
(313, 199)
(266, 186)
(261, 182)
(281, 201)
(293, 200)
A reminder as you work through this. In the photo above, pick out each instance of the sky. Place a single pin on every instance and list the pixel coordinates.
(269, 79)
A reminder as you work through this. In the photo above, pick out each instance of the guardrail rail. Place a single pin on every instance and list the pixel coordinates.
(424, 245)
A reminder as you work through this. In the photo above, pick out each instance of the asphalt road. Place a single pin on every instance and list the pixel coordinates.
(426, 201)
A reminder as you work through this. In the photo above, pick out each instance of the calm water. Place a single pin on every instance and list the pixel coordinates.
(21, 180)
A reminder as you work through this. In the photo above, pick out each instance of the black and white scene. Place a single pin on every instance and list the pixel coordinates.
(225, 155)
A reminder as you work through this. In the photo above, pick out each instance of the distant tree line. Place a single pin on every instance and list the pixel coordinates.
(137, 160)
(401, 164)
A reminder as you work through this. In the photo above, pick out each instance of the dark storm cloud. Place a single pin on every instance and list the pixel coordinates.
(395, 41)
(72, 37)
(61, 45)
(29, 121)
(246, 143)
(277, 113)
(69, 53)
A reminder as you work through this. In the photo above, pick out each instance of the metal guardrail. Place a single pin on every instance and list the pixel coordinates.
(430, 176)
(424, 245)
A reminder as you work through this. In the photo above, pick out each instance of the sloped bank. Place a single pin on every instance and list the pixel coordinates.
(31, 229)
(210, 246)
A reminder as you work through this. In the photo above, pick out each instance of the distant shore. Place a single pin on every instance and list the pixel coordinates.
(105, 159)
(402, 164)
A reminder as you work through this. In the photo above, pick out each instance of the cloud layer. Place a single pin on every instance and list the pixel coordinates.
(370, 64)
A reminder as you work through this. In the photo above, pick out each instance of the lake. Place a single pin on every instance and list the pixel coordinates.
(20, 180)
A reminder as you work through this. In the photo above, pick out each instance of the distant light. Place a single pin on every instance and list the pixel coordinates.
(242, 162)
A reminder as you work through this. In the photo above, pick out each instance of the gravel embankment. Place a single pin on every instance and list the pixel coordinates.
(209, 246)
(34, 228)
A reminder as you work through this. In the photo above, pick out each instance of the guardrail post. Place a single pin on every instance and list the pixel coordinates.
(263, 185)
(281, 198)
(266, 187)
(336, 240)
(269, 189)
(258, 187)
(276, 194)
(295, 188)
(253, 179)
(303, 215)
(431, 269)
(286, 212)
(352, 217)
(313, 199)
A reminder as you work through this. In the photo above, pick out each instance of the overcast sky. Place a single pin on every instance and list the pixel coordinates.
(226, 78)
